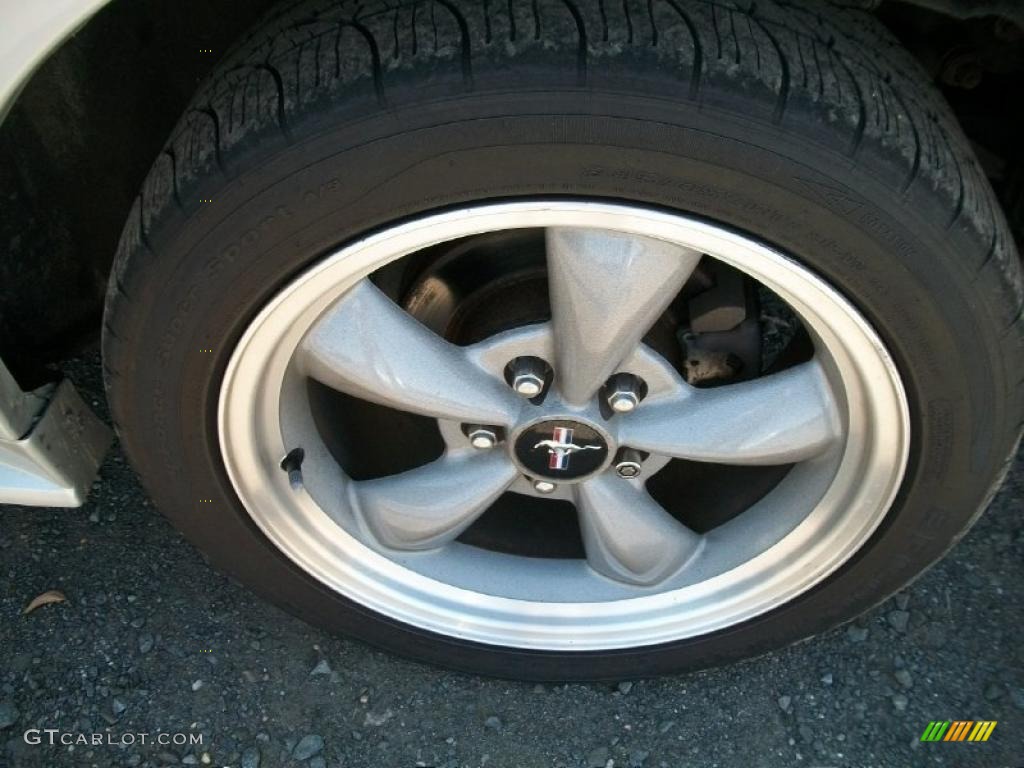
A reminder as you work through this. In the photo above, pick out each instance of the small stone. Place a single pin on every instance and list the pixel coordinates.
(935, 636)
(377, 719)
(1001, 540)
(190, 760)
(118, 707)
(785, 702)
(900, 702)
(308, 746)
(251, 758)
(205, 758)
(898, 620)
(597, 758)
(1017, 697)
(8, 714)
(993, 691)
(902, 601)
(146, 642)
(637, 757)
(625, 687)
(666, 726)
(806, 733)
(318, 762)
(903, 678)
(197, 684)
(321, 668)
(856, 634)
(494, 723)
(539, 688)
(94, 516)
(827, 678)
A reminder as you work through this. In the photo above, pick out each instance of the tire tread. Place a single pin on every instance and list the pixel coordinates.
(824, 58)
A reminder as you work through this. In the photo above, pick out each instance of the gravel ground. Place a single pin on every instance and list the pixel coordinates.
(152, 639)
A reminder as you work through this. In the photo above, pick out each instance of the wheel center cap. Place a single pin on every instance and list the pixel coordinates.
(561, 449)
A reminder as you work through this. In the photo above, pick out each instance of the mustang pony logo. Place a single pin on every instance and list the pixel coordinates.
(561, 446)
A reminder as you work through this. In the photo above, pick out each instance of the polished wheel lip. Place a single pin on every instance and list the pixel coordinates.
(252, 447)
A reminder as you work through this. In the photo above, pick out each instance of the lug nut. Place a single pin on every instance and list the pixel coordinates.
(528, 385)
(625, 391)
(482, 438)
(623, 402)
(528, 376)
(628, 463)
(543, 486)
(628, 469)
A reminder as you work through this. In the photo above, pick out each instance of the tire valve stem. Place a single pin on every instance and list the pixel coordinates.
(292, 464)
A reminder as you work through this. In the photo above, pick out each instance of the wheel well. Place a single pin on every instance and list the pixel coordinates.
(74, 151)
(82, 135)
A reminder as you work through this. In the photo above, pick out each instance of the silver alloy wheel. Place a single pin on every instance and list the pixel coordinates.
(389, 543)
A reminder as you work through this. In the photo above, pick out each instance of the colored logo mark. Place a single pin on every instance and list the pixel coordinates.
(958, 730)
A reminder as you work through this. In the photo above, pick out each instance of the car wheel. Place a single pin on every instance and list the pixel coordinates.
(563, 340)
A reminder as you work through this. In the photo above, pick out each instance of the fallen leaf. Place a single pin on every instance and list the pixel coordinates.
(51, 596)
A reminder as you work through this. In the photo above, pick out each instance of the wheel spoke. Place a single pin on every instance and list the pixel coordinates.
(607, 289)
(627, 535)
(429, 506)
(778, 419)
(368, 347)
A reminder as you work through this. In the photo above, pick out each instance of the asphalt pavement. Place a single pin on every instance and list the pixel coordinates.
(152, 640)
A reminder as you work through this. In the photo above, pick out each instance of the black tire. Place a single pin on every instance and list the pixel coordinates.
(801, 123)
